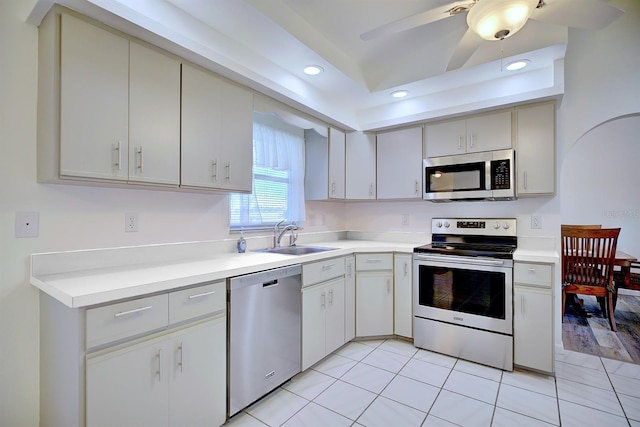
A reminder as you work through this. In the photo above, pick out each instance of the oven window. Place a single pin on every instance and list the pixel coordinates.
(466, 291)
(466, 177)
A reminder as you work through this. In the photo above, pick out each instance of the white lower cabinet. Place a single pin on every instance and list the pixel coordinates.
(322, 320)
(374, 294)
(151, 361)
(533, 316)
(349, 298)
(402, 291)
(172, 380)
(323, 309)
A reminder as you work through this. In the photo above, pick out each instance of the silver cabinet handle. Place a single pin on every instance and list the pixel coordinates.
(522, 304)
(374, 260)
(525, 180)
(159, 361)
(118, 163)
(326, 267)
(181, 350)
(135, 310)
(417, 189)
(204, 294)
(459, 142)
(406, 268)
(531, 270)
(371, 190)
(140, 165)
(323, 302)
(471, 138)
(228, 169)
(333, 188)
(214, 170)
(388, 286)
(331, 297)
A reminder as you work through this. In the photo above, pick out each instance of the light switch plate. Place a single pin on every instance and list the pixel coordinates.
(27, 224)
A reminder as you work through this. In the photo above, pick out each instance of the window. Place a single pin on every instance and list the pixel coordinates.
(278, 177)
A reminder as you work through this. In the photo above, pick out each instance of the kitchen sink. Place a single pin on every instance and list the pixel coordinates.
(296, 250)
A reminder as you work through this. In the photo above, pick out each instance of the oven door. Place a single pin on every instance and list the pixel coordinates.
(465, 291)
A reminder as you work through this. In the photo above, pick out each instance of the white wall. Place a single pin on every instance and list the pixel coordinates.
(74, 217)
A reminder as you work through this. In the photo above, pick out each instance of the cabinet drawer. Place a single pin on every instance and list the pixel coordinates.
(198, 301)
(534, 274)
(118, 321)
(371, 262)
(321, 271)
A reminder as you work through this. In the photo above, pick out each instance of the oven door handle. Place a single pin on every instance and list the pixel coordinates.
(459, 259)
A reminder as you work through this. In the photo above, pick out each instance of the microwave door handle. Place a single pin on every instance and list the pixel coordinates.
(458, 259)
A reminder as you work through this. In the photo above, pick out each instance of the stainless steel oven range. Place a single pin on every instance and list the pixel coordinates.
(463, 290)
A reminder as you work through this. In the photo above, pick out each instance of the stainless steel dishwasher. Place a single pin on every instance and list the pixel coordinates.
(264, 333)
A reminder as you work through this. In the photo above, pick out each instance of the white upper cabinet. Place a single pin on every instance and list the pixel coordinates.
(324, 165)
(399, 164)
(119, 108)
(535, 149)
(337, 140)
(360, 166)
(487, 132)
(217, 132)
(94, 102)
(154, 117)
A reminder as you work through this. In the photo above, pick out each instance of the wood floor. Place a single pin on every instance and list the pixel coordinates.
(592, 335)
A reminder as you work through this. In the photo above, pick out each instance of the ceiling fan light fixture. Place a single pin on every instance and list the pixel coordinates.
(498, 19)
(313, 70)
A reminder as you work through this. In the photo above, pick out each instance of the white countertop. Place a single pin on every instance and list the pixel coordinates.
(98, 285)
(85, 278)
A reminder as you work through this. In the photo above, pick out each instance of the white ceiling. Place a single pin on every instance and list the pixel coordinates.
(266, 44)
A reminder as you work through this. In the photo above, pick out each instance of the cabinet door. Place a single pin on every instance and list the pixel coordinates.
(446, 139)
(349, 299)
(533, 328)
(399, 164)
(314, 303)
(334, 318)
(198, 371)
(336, 163)
(129, 386)
(489, 132)
(374, 304)
(200, 135)
(316, 155)
(154, 117)
(535, 138)
(94, 102)
(236, 167)
(360, 166)
(402, 290)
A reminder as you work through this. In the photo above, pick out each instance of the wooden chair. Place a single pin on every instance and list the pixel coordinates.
(587, 265)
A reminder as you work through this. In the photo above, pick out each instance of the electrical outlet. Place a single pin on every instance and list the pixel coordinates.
(536, 221)
(130, 222)
(405, 219)
(27, 224)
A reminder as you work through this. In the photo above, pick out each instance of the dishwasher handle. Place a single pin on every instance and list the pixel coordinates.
(270, 283)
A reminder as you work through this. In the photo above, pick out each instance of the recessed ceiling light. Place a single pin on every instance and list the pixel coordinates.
(517, 65)
(313, 70)
(399, 93)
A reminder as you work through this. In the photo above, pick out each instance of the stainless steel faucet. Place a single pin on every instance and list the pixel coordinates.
(277, 233)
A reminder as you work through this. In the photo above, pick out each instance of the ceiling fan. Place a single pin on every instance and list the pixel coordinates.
(499, 19)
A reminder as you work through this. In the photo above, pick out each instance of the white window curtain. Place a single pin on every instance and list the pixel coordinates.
(278, 177)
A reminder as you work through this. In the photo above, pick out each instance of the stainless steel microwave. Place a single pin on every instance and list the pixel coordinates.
(488, 175)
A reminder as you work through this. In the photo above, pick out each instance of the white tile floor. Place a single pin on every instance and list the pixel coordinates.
(391, 383)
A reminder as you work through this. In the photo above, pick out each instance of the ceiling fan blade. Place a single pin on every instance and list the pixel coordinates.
(417, 20)
(585, 14)
(467, 46)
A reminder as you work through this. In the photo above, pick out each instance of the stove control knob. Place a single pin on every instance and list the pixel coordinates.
(446, 224)
(505, 225)
(496, 225)
(439, 224)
